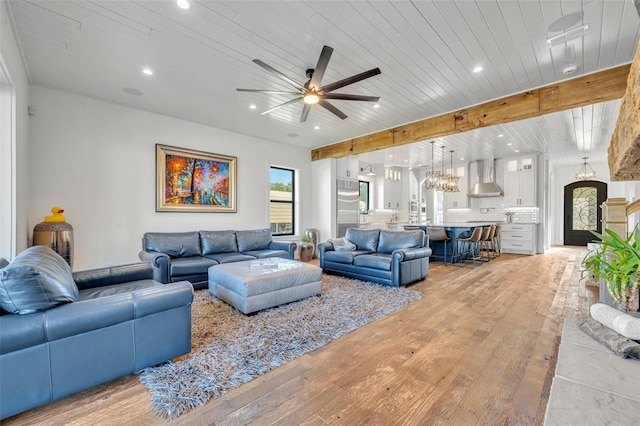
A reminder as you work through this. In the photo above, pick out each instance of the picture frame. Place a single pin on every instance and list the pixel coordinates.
(188, 180)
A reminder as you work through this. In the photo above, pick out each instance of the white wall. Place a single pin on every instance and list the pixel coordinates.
(97, 161)
(15, 200)
(324, 197)
(562, 176)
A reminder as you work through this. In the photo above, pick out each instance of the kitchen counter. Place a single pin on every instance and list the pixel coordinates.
(454, 231)
(467, 224)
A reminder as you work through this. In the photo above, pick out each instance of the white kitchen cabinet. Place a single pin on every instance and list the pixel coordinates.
(521, 164)
(520, 238)
(458, 200)
(392, 198)
(520, 182)
(347, 168)
(391, 189)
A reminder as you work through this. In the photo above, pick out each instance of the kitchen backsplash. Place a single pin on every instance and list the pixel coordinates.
(492, 209)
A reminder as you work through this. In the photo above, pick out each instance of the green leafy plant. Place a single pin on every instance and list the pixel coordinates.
(617, 263)
(306, 239)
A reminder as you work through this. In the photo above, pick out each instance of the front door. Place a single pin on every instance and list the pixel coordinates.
(582, 212)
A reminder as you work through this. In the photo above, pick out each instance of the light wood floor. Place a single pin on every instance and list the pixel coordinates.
(478, 349)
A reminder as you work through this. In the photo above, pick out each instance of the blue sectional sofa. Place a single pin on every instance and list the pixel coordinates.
(178, 256)
(392, 258)
(61, 333)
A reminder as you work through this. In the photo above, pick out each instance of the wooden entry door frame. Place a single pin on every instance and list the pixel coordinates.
(579, 211)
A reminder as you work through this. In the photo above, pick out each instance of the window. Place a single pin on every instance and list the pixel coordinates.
(7, 170)
(282, 199)
(585, 208)
(364, 197)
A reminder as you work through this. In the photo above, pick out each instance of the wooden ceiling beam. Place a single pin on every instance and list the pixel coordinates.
(586, 90)
(624, 149)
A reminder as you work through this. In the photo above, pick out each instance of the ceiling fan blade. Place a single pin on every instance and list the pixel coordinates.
(349, 80)
(305, 113)
(281, 105)
(279, 74)
(273, 92)
(321, 67)
(331, 108)
(345, 97)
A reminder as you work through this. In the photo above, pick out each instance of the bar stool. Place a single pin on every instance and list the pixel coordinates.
(468, 247)
(496, 241)
(486, 242)
(439, 236)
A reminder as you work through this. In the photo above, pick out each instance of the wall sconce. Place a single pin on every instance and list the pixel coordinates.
(368, 173)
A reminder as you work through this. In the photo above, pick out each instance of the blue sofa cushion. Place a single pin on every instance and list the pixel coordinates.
(374, 261)
(343, 256)
(393, 240)
(182, 266)
(229, 257)
(258, 239)
(174, 244)
(36, 280)
(364, 239)
(261, 254)
(214, 242)
(121, 288)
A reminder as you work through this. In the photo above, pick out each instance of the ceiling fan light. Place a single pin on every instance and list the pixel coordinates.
(311, 99)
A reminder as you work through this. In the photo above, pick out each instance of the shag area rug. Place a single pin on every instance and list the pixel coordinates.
(230, 348)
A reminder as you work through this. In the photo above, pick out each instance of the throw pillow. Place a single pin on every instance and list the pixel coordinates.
(342, 244)
(36, 280)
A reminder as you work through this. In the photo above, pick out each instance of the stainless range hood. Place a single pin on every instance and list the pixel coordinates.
(486, 186)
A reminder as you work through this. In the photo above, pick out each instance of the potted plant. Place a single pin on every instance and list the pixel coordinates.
(617, 263)
(306, 249)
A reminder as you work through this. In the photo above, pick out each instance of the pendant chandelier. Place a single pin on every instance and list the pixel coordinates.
(585, 172)
(444, 178)
(433, 177)
(452, 180)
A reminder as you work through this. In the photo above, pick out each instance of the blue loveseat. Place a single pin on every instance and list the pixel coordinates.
(63, 332)
(178, 256)
(392, 258)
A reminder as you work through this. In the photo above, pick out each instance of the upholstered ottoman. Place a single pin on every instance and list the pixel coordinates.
(253, 285)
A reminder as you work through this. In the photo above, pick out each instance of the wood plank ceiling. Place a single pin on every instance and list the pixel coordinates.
(427, 51)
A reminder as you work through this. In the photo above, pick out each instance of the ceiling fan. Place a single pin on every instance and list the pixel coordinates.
(312, 92)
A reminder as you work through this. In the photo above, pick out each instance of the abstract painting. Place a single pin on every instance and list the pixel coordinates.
(194, 181)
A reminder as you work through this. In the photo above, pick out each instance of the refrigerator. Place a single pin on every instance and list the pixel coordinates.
(347, 205)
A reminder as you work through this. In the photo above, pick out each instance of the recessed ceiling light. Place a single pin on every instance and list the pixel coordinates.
(478, 69)
(252, 106)
(316, 127)
(500, 135)
(461, 158)
(147, 71)
(183, 4)
(517, 150)
(376, 105)
(509, 144)
(406, 161)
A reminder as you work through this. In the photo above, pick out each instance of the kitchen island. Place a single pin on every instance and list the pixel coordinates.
(455, 230)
